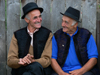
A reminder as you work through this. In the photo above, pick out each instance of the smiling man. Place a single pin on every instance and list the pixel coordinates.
(74, 51)
(31, 47)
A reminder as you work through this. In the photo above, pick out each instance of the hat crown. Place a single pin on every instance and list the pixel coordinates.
(72, 13)
(29, 7)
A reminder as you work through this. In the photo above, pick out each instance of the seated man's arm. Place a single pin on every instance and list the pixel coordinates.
(56, 67)
(92, 56)
(45, 59)
(88, 66)
(12, 59)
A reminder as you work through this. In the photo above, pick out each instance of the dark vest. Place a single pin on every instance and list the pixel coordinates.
(39, 38)
(80, 42)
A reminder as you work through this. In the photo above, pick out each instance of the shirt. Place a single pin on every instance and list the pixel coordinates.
(72, 62)
(31, 35)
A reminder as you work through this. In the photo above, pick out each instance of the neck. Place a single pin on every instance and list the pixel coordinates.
(72, 32)
(31, 29)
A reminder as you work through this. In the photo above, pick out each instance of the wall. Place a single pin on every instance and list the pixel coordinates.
(10, 20)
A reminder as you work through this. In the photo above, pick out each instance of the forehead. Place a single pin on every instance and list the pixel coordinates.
(35, 13)
(66, 18)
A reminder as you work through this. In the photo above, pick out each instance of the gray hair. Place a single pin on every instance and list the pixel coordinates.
(27, 16)
(73, 22)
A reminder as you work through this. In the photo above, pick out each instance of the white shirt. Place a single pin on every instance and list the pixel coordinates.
(31, 35)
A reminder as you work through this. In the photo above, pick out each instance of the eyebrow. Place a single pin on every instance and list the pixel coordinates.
(37, 16)
(65, 21)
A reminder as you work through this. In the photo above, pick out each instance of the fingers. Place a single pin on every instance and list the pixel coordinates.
(20, 62)
(28, 59)
(25, 60)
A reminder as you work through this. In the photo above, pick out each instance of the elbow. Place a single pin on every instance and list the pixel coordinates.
(95, 59)
(8, 63)
(47, 64)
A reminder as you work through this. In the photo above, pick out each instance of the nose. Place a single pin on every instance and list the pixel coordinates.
(63, 24)
(39, 19)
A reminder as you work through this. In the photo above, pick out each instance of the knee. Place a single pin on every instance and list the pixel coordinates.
(35, 69)
(35, 66)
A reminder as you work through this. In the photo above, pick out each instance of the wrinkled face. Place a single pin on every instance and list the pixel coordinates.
(35, 19)
(67, 24)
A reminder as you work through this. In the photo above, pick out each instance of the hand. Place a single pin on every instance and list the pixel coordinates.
(21, 62)
(30, 57)
(76, 72)
(26, 60)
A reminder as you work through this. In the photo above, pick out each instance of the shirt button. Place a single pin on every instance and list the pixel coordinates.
(63, 45)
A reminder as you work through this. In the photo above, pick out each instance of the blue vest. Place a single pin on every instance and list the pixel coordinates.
(80, 42)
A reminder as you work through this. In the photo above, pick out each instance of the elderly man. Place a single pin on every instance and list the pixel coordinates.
(31, 47)
(74, 51)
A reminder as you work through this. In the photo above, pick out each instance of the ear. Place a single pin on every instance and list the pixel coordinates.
(27, 20)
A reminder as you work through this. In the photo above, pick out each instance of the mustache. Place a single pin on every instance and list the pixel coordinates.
(65, 27)
(37, 22)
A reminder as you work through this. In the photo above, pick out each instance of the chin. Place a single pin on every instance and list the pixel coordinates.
(38, 27)
(64, 30)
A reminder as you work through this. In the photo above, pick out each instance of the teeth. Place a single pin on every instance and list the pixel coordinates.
(37, 23)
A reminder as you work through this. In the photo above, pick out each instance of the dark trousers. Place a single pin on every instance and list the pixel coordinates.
(31, 69)
(87, 73)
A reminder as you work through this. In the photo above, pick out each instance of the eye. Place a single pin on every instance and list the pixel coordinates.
(40, 16)
(66, 22)
(35, 17)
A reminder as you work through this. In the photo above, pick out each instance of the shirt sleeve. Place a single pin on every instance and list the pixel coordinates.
(92, 48)
(54, 48)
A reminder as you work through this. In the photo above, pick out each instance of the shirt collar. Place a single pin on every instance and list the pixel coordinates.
(30, 33)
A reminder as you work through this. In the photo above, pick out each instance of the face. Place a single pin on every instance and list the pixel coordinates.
(67, 25)
(35, 19)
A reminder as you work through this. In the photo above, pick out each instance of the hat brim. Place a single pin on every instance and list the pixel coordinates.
(69, 15)
(40, 9)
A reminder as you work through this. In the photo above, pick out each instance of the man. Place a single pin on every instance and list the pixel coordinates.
(31, 47)
(74, 51)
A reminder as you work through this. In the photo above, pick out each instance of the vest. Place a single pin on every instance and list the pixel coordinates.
(80, 42)
(23, 38)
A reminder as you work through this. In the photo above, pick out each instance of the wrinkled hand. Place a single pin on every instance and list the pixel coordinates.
(21, 62)
(76, 72)
(26, 60)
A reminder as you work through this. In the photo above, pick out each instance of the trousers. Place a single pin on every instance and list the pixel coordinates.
(32, 69)
(87, 73)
